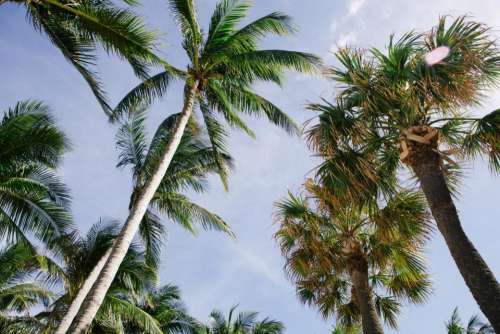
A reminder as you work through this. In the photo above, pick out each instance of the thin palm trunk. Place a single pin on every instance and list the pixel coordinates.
(364, 297)
(82, 293)
(474, 270)
(139, 207)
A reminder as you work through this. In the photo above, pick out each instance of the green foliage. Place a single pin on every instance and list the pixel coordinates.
(33, 201)
(474, 325)
(319, 236)
(77, 29)
(243, 322)
(192, 163)
(385, 93)
(225, 64)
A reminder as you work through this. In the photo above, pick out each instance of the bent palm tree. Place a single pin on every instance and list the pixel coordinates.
(134, 278)
(242, 323)
(356, 263)
(394, 110)
(77, 28)
(223, 66)
(33, 202)
(192, 163)
(474, 325)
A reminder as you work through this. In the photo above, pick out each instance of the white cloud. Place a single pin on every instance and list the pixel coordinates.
(345, 40)
(355, 6)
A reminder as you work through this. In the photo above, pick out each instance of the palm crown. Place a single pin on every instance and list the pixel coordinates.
(474, 325)
(191, 165)
(241, 323)
(33, 201)
(390, 103)
(224, 64)
(324, 244)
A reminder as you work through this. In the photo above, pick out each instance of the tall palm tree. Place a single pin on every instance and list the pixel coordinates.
(474, 325)
(134, 278)
(241, 323)
(192, 163)
(356, 263)
(78, 28)
(223, 66)
(33, 201)
(393, 110)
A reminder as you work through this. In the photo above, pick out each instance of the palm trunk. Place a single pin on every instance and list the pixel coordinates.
(82, 293)
(139, 207)
(359, 275)
(475, 272)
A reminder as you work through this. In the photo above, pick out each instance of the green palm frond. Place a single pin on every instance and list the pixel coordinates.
(179, 208)
(484, 138)
(77, 29)
(319, 234)
(131, 142)
(152, 232)
(129, 312)
(226, 16)
(144, 94)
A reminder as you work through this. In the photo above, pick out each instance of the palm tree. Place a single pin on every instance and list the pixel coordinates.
(134, 278)
(394, 110)
(78, 28)
(165, 305)
(18, 291)
(356, 263)
(474, 326)
(223, 66)
(192, 163)
(33, 201)
(242, 323)
(341, 330)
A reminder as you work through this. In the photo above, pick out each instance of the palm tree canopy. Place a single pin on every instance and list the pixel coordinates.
(134, 278)
(319, 238)
(225, 63)
(241, 323)
(33, 201)
(474, 325)
(192, 163)
(389, 102)
(78, 28)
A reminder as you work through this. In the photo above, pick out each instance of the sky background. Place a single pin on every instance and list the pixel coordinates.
(212, 270)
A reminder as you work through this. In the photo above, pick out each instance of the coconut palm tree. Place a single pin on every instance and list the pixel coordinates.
(474, 325)
(394, 110)
(241, 323)
(191, 165)
(134, 278)
(166, 306)
(78, 28)
(356, 263)
(223, 66)
(33, 201)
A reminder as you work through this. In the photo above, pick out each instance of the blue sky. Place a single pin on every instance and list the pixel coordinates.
(212, 270)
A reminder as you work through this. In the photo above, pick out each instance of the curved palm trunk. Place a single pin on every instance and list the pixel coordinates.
(139, 207)
(363, 294)
(82, 293)
(475, 272)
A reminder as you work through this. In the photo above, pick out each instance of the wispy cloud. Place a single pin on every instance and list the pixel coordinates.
(347, 39)
(355, 6)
